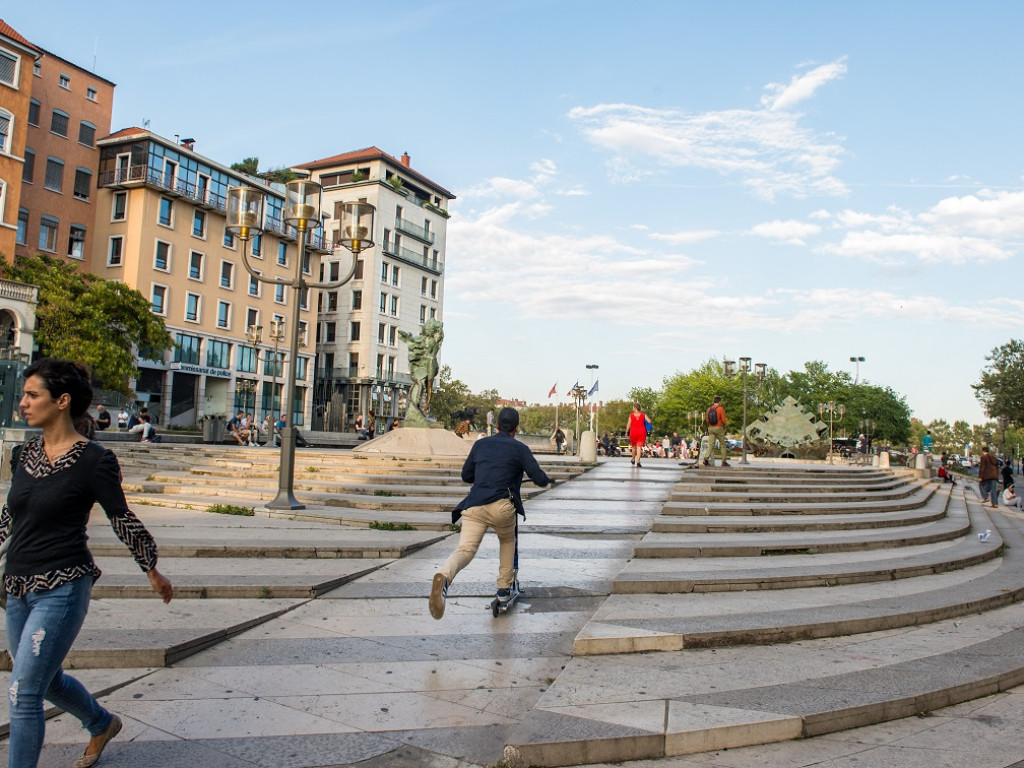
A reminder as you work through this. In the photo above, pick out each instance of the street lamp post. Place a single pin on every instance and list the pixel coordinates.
(695, 417)
(867, 428)
(759, 371)
(579, 396)
(592, 368)
(1004, 423)
(302, 212)
(277, 335)
(832, 409)
(856, 360)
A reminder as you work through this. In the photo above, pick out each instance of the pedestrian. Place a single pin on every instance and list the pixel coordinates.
(495, 467)
(102, 418)
(393, 426)
(48, 577)
(122, 419)
(716, 431)
(988, 476)
(559, 439)
(1011, 499)
(637, 429)
(1007, 474)
(490, 421)
(927, 442)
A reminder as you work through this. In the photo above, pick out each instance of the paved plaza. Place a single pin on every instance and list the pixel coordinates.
(781, 616)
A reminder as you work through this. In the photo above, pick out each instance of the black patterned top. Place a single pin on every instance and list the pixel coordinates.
(47, 512)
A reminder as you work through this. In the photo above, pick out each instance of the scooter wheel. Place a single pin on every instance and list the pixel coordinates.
(495, 610)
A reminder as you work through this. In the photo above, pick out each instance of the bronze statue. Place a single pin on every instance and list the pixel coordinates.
(423, 369)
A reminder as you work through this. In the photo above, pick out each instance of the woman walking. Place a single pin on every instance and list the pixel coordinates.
(56, 479)
(637, 429)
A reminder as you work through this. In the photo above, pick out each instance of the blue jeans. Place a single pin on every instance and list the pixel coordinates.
(989, 488)
(41, 626)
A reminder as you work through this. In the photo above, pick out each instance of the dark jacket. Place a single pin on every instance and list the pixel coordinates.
(988, 469)
(495, 467)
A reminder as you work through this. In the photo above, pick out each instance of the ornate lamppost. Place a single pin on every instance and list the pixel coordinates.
(867, 428)
(302, 212)
(759, 371)
(832, 409)
(579, 396)
(696, 418)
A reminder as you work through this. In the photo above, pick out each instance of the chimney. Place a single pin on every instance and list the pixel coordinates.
(188, 143)
(406, 159)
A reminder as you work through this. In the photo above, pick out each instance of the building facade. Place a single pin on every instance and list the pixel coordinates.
(68, 110)
(18, 59)
(161, 229)
(397, 285)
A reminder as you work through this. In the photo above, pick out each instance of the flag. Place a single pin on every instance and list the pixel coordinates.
(552, 390)
(569, 393)
(593, 389)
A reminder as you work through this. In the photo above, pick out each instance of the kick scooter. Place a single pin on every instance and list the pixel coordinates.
(501, 606)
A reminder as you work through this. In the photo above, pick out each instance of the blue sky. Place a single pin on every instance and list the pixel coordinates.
(641, 186)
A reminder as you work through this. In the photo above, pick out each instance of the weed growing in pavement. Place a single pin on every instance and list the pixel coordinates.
(383, 525)
(387, 493)
(231, 509)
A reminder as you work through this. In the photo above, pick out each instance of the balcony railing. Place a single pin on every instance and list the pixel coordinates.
(411, 257)
(420, 233)
(380, 375)
(18, 291)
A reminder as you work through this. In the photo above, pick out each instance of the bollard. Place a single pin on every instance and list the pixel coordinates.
(875, 461)
(588, 447)
(883, 460)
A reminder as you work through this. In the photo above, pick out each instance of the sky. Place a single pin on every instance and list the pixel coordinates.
(640, 186)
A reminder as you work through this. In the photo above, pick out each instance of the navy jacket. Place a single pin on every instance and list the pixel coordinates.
(495, 467)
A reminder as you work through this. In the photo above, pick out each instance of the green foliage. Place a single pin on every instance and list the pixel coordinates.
(249, 165)
(383, 525)
(387, 493)
(94, 321)
(1001, 387)
(279, 175)
(450, 395)
(231, 509)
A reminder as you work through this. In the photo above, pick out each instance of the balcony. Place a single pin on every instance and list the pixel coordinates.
(351, 373)
(141, 174)
(414, 258)
(18, 291)
(420, 233)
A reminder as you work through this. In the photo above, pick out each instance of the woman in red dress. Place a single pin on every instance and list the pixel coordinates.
(637, 429)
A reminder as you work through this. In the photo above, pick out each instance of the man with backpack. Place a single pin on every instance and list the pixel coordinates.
(716, 431)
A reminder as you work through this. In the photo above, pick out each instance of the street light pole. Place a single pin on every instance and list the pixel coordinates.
(592, 368)
(832, 409)
(579, 394)
(759, 371)
(302, 212)
(857, 360)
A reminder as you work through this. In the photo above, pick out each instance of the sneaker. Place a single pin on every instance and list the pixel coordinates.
(504, 595)
(726, 464)
(438, 594)
(707, 463)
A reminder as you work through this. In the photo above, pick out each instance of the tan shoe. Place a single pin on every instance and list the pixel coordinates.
(87, 760)
(438, 595)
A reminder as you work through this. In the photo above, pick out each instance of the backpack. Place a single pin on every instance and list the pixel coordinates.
(713, 416)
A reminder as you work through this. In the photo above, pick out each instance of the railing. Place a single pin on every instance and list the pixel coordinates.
(420, 233)
(18, 291)
(411, 257)
(381, 375)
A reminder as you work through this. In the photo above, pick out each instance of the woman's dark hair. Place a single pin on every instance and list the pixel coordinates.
(65, 377)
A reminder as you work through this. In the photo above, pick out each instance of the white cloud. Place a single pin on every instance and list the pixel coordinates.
(787, 231)
(686, 237)
(930, 248)
(768, 148)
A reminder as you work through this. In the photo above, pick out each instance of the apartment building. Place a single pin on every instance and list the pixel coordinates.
(398, 284)
(68, 110)
(18, 59)
(161, 229)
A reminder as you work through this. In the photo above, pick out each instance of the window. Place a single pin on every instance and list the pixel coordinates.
(304, 298)
(65, 81)
(257, 246)
(195, 266)
(227, 274)
(158, 298)
(37, 68)
(48, 234)
(29, 168)
(335, 271)
(247, 360)
(59, 123)
(330, 332)
(282, 254)
(254, 286)
(199, 223)
(357, 299)
(358, 275)
(303, 332)
(192, 301)
(393, 336)
(394, 306)
(387, 240)
(223, 314)
(9, 68)
(83, 184)
(119, 208)
(433, 289)
(301, 370)
(229, 239)
(433, 312)
(6, 121)
(162, 256)
(218, 354)
(382, 332)
(252, 317)
(90, 93)
(354, 332)
(423, 313)
(380, 365)
(394, 275)
(76, 242)
(383, 302)
(279, 295)
(166, 214)
(332, 301)
(33, 112)
(186, 348)
(86, 134)
(383, 271)
(115, 251)
(22, 235)
(54, 180)
(423, 286)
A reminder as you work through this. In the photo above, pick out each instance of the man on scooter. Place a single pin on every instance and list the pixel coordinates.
(495, 467)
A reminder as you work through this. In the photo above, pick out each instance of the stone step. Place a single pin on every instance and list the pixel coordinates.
(782, 496)
(698, 481)
(756, 523)
(917, 499)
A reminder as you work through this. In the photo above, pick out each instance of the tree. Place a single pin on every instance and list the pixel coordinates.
(1001, 388)
(87, 319)
(249, 165)
(279, 175)
(450, 395)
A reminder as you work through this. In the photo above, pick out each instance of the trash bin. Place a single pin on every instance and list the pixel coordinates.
(213, 429)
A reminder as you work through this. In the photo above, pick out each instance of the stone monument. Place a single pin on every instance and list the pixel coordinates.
(788, 431)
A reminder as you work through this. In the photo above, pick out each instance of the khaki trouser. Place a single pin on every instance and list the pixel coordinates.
(717, 433)
(500, 515)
